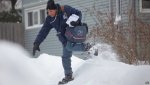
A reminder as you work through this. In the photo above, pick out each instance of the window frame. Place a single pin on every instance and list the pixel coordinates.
(143, 10)
(41, 16)
(37, 16)
(29, 14)
(34, 9)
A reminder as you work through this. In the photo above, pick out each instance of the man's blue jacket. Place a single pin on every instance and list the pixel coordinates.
(58, 22)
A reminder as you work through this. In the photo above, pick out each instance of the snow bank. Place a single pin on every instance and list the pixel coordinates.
(106, 69)
(17, 68)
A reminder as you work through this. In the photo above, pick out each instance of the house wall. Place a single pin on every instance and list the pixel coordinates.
(51, 45)
(125, 6)
(31, 3)
(143, 33)
(145, 16)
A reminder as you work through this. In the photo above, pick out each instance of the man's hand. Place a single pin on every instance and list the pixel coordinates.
(73, 20)
(35, 48)
(74, 23)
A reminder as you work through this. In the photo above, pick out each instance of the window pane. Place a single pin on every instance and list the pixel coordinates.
(30, 19)
(42, 16)
(35, 18)
(146, 4)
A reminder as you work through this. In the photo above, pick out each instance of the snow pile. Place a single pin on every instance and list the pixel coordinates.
(107, 70)
(17, 68)
(105, 53)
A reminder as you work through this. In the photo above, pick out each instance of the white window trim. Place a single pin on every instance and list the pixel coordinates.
(143, 10)
(33, 9)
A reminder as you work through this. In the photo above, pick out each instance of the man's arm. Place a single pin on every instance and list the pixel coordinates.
(70, 10)
(44, 31)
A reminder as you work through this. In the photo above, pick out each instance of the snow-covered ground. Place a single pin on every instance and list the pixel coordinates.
(18, 68)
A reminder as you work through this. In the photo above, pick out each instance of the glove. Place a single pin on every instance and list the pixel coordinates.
(35, 48)
(75, 23)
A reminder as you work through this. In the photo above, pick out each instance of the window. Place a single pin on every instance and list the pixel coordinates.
(42, 16)
(145, 6)
(35, 19)
(35, 16)
(30, 19)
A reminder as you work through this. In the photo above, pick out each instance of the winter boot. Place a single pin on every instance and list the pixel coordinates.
(66, 79)
(87, 46)
(96, 52)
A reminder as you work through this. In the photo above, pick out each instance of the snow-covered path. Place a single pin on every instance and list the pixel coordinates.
(17, 68)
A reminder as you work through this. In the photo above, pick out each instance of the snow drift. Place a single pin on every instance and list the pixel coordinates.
(18, 68)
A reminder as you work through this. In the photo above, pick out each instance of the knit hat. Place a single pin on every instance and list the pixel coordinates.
(51, 5)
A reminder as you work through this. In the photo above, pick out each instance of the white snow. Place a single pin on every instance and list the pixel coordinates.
(18, 68)
(117, 19)
(18, 4)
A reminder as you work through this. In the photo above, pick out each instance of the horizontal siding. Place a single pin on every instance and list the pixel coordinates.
(144, 16)
(31, 2)
(51, 45)
(124, 13)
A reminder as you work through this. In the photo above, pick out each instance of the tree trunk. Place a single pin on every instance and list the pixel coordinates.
(13, 2)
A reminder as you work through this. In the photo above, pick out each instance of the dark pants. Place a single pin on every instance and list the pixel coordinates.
(66, 61)
(67, 54)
